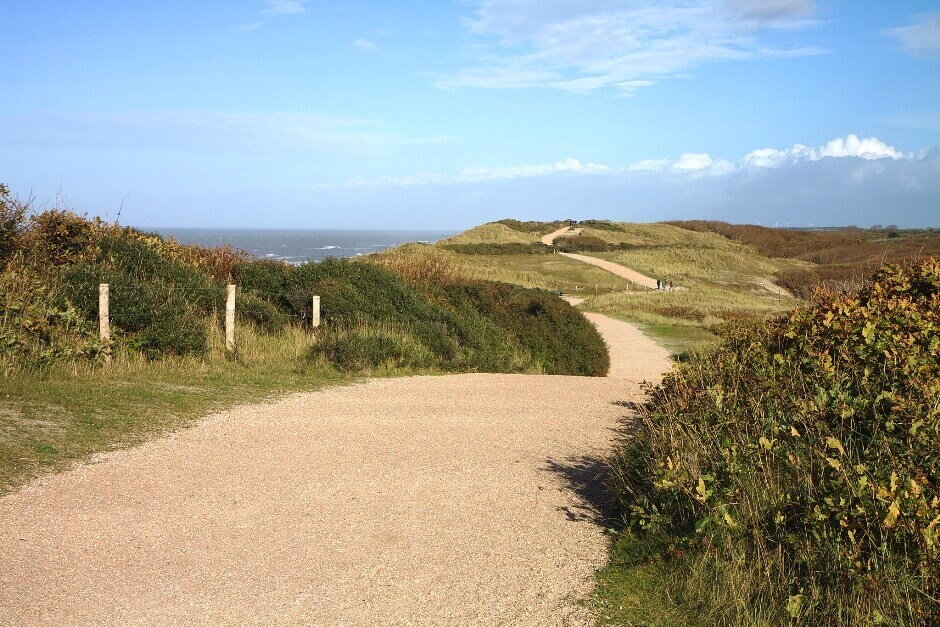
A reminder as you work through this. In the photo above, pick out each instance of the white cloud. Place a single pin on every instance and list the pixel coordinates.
(922, 38)
(693, 161)
(848, 146)
(648, 165)
(688, 165)
(585, 45)
(363, 45)
(573, 166)
(284, 7)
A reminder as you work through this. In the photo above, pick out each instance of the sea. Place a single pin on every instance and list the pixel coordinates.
(297, 246)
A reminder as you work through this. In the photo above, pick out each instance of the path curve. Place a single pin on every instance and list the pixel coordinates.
(431, 500)
(615, 268)
(550, 238)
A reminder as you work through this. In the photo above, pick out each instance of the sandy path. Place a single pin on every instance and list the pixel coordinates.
(615, 268)
(548, 239)
(423, 500)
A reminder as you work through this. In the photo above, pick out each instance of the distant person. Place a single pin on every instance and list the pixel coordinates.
(670, 286)
(658, 284)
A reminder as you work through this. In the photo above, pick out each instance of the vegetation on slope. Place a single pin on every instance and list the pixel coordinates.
(793, 474)
(844, 258)
(717, 279)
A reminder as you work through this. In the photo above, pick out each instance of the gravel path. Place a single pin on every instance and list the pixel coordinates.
(422, 500)
(615, 268)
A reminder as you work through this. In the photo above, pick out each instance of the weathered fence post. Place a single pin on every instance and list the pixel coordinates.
(104, 321)
(315, 312)
(230, 319)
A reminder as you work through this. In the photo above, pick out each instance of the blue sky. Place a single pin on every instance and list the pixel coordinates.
(328, 113)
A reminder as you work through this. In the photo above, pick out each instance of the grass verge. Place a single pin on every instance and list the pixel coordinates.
(52, 418)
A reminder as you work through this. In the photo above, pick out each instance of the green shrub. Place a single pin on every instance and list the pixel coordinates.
(263, 314)
(363, 348)
(58, 237)
(12, 222)
(535, 227)
(601, 225)
(153, 316)
(801, 462)
(557, 336)
(36, 328)
(588, 244)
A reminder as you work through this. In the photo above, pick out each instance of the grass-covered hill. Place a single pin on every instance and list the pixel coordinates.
(726, 272)
(840, 258)
(58, 401)
(719, 279)
(792, 474)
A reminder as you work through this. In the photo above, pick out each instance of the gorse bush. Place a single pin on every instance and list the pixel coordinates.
(800, 462)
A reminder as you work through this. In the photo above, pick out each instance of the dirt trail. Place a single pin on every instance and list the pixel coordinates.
(422, 500)
(548, 239)
(615, 268)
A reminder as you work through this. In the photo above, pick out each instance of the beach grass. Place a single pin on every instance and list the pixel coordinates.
(550, 272)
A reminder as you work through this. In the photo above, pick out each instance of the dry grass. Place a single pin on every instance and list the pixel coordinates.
(421, 264)
(845, 257)
(701, 306)
(493, 233)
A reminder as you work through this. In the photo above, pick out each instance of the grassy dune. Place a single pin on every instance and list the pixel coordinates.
(493, 233)
(721, 279)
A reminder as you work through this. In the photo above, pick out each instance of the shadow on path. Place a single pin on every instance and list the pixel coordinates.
(589, 476)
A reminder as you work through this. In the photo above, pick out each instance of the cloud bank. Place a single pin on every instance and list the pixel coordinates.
(689, 164)
(585, 45)
(849, 180)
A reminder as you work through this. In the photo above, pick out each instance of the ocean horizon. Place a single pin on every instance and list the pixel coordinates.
(297, 246)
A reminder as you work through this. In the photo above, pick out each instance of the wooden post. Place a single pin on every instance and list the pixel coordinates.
(230, 320)
(104, 321)
(315, 312)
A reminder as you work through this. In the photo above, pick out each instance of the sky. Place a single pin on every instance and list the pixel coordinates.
(446, 114)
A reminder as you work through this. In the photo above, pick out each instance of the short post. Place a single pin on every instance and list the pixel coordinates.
(104, 321)
(315, 312)
(230, 319)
